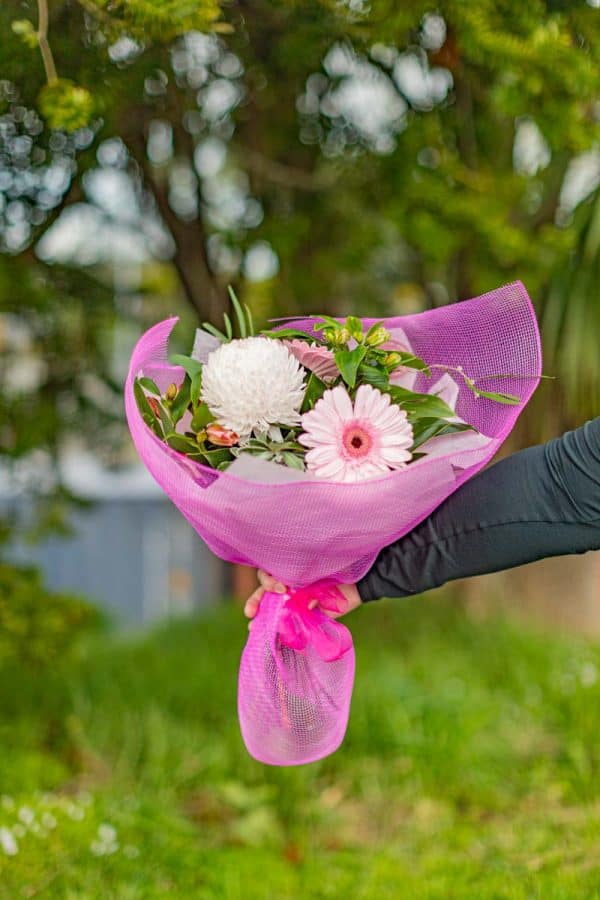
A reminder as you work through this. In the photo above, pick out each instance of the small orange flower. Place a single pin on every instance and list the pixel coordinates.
(222, 437)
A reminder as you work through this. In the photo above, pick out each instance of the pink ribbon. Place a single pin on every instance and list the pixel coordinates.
(299, 627)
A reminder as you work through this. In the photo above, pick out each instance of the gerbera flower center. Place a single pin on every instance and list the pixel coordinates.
(356, 440)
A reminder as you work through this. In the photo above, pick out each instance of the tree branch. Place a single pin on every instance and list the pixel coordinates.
(281, 173)
(45, 50)
(201, 290)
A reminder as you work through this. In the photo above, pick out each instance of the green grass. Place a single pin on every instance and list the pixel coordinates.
(470, 770)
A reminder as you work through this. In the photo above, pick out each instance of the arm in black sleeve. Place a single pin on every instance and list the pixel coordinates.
(539, 502)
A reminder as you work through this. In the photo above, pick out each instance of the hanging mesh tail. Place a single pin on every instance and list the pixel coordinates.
(293, 706)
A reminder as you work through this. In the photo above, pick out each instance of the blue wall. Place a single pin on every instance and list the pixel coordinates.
(136, 557)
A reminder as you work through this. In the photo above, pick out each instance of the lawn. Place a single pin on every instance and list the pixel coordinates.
(470, 770)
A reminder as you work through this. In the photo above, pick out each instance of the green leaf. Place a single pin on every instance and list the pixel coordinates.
(241, 319)
(315, 388)
(191, 366)
(261, 454)
(146, 410)
(250, 320)
(180, 443)
(412, 362)
(291, 333)
(506, 399)
(293, 461)
(373, 375)
(165, 419)
(348, 362)
(196, 388)
(373, 328)
(202, 417)
(228, 326)
(418, 405)
(424, 429)
(354, 326)
(141, 399)
(291, 445)
(149, 385)
(214, 331)
(215, 457)
(153, 423)
(326, 321)
(181, 401)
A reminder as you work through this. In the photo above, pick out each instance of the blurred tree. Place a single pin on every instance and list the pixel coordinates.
(56, 380)
(330, 156)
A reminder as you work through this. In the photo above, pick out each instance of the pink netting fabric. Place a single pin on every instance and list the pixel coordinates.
(296, 679)
(307, 530)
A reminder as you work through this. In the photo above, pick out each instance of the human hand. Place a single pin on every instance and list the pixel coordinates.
(268, 583)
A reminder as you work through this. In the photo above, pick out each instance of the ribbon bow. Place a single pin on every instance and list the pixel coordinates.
(299, 627)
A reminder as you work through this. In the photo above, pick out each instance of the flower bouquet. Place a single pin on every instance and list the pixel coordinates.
(305, 449)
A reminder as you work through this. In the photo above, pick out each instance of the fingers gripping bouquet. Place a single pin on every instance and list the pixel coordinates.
(304, 450)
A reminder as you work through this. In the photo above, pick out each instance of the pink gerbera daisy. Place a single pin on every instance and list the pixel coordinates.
(350, 443)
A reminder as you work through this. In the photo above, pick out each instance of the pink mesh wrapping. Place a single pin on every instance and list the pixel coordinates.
(308, 530)
(294, 696)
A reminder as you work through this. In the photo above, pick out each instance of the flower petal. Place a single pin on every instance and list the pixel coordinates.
(321, 455)
(340, 401)
(335, 469)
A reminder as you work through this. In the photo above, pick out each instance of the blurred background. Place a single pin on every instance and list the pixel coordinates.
(333, 156)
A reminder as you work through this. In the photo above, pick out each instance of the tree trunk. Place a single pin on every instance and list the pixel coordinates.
(200, 286)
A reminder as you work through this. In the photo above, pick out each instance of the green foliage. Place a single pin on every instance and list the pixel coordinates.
(66, 105)
(469, 770)
(315, 388)
(288, 452)
(38, 627)
(191, 366)
(572, 322)
(348, 362)
(425, 428)
(244, 322)
(59, 321)
(25, 30)
(158, 20)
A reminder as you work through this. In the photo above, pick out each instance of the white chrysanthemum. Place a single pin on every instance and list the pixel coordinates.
(252, 383)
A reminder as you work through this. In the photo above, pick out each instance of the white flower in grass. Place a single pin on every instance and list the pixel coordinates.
(48, 820)
(8, 842)
(351, 443)
(253, 383)
(107, 833)
(26, 815)
(106, 842)
(75, 812)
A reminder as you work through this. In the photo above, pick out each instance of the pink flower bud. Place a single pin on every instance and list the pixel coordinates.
(154, 406)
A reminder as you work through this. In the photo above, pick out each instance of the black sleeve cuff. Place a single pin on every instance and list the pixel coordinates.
(367, 590)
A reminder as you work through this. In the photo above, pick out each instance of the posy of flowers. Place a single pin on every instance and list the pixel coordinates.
(338, 404)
